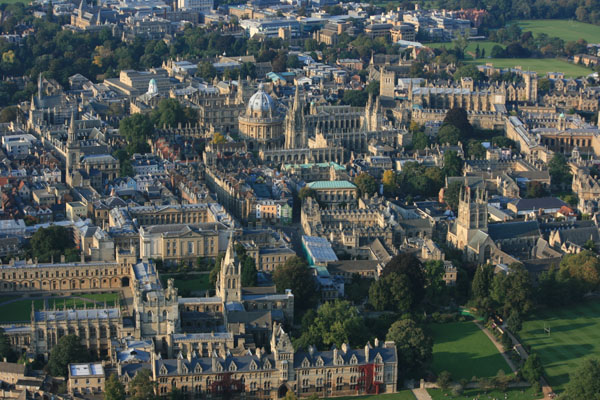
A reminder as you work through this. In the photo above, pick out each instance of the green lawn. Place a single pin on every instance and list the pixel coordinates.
(21, 310)
(469, 394)
(465, 351)
(470, 50)
(188, 282)
(565, 29)
(540, 65)
(402, 395)
(574, 336)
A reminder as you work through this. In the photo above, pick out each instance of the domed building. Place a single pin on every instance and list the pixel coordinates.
(262, 122)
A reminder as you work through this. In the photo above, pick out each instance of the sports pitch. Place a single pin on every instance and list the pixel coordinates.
(574, 336)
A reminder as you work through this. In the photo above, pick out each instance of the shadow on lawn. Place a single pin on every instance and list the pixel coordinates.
(466, 365)
(559, 328)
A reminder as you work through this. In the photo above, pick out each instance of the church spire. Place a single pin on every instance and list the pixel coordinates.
(39, 86)
(71, 132)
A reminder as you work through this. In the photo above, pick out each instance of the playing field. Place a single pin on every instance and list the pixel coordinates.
(574, 336)
(470, 394)
(565, 29)
(540, 65)
(401, 395)
(465, 351)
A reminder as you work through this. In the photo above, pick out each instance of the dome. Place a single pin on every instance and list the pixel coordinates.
(152, 87)
(260, 103)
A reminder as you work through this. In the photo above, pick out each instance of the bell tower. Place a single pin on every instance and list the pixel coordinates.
(472, 214)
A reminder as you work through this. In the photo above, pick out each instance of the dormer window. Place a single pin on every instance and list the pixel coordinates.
(320, 362)
(198, 368)
(305, 363)
(353, 360)
(163, 370)
(232, 367)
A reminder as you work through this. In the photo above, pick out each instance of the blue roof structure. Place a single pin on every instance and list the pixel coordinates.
(318, 250)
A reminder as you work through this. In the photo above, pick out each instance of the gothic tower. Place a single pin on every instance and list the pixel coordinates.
(472, 215)
(229, 285)
(295, 124)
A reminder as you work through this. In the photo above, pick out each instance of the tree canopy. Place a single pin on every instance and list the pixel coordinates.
(296, 275)
(366, 184)
(68, 350)
(584, 383)
(334, 323)
(414, 347)
(52, 242)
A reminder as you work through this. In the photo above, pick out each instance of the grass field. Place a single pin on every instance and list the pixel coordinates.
(470, 50)
(540, 65)
(21, 310)
(469, 394)
(574, 336)
(565, 29)
(188, 282)
(465, 351)
(402, 395)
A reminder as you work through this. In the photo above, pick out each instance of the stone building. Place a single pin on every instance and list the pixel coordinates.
(262, 123)
(179, 242)
(337, 372)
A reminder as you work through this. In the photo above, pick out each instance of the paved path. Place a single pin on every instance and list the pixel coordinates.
(498, 346)
(421, 394)
(546, 388)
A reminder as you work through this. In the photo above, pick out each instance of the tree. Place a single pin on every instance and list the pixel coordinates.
(535, 190)
(583, 267)
(514, 322)
(334, 323)
(420, 140)
(392, 293)
(480, 287)
(136, 129)
(218, 138)
(297, 276)
(141, 386)
(452, 163)
(114, 389)
(169, 113)
(8, 114)
(584, 383)
(408, 264)
(444, 379)
(448, 134)
(458, 117)
(475, 149)
(6, 350)
(68, 350)
(434, 278)
(366, 184)
(355, 98)
(305, 192)
(414, 347)
(558, 169)
(248, 270)
(512, 292)
(497, 51)
(51, 242)
(532, 369)
(451, 195)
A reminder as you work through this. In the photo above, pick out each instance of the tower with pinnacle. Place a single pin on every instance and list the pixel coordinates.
(229, 285)
(295, 124)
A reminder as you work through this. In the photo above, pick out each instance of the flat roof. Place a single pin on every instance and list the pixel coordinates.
(87, 369)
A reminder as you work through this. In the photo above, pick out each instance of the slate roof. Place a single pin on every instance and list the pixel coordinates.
(508, 230)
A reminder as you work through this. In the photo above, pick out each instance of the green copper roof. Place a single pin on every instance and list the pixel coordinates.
(331, 185)
(310, 165)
